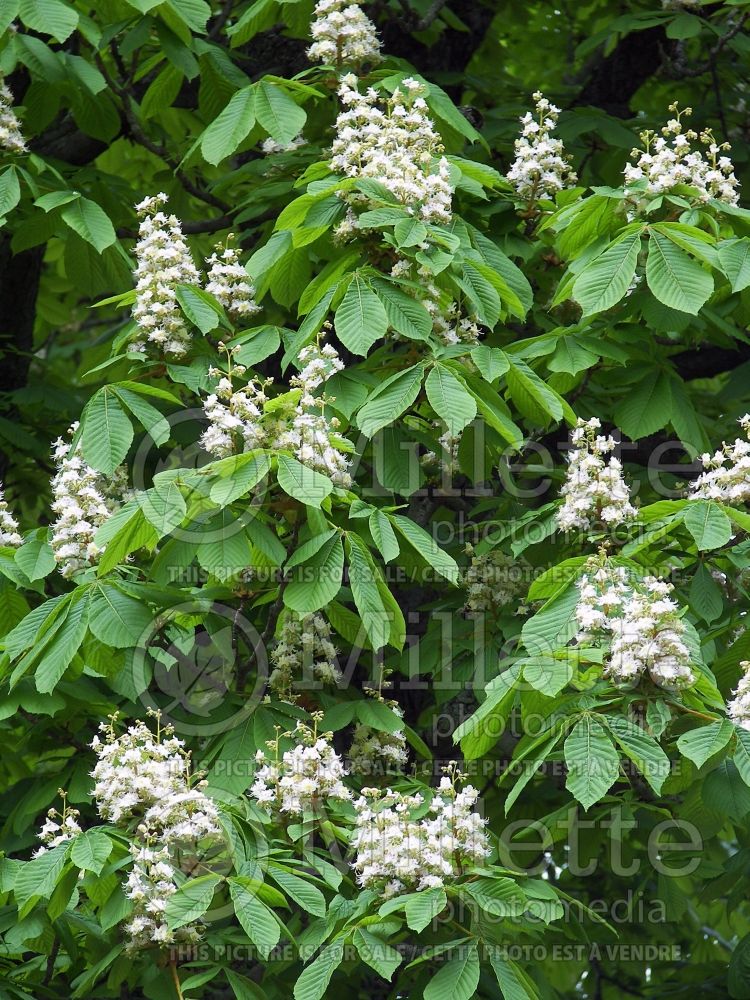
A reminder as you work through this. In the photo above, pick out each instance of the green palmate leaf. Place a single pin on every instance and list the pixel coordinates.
(306, 895)
(422, 907)
(313, 983)
(700, 744)
(10, 190)
(91, 850)
(361, 319)
(443, 564)
(705, 595)
(675, 278)
(57, 656)
(147, 415)
(199, 307)
(163, 506)
(592, 761)
(376, 953)
(453, 403)
(277, 112)
(407, 316)
(457, 979)
(491, 361)
(39, 877)
(49, 17)
(647, 407)
(226, 132)
(363, 580)
(118, 619)
(302, 483)
(531, 394)
(642, 749)
(606, 279)
(708, 524)
(257, 920)
(501, 897)
(317, 581)
(191, 900)
(36, 557)
(547, 674)
(483, 729)
(390, 400)
(511, 979)
(741, 756)
(383, 535)
(90, 222)
(195, 13)
(734, 258)
(107, 431)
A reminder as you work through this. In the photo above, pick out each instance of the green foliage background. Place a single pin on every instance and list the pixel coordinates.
(120, 99)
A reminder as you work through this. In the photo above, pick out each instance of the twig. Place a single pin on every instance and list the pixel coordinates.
(221, 19)
(175, 978)
(692, 71)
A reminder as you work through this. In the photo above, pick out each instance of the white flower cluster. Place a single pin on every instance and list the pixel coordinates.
(594, 489)
(541, 167)
(237, 422)
(163, 262)
(738, 708)
(669, 160)
(395, 143)
(11, 137)
(304, 647)
(58, 828)
(307, 774)
(494, 580)
(270, 146)
(144, 778)
(396, 852)
(447, 322)
(309, 433)
(234, 415)
(82, 499)
(9, 533)
(228, 282)
(376, 752)
(727, 475)
(343, 35)
(643, 625)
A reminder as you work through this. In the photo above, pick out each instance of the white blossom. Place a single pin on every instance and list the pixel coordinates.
(235, 416)
(270, 145)
(738, 708)
(727, 475)
(58, 828)
(11, 137)
(228, 282)
(343, 35)
(448, 324)
(144, 779)
(639, 621)
(310, 772)
(494, 580)
(669, 160)
(9, 533)
(595, 492)
(375, 751)
(309, 432)
(82, 499)
(150, 884)
(394, 142)
(163, 262)
(304, 647)
(541, 168)
(398, 852)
